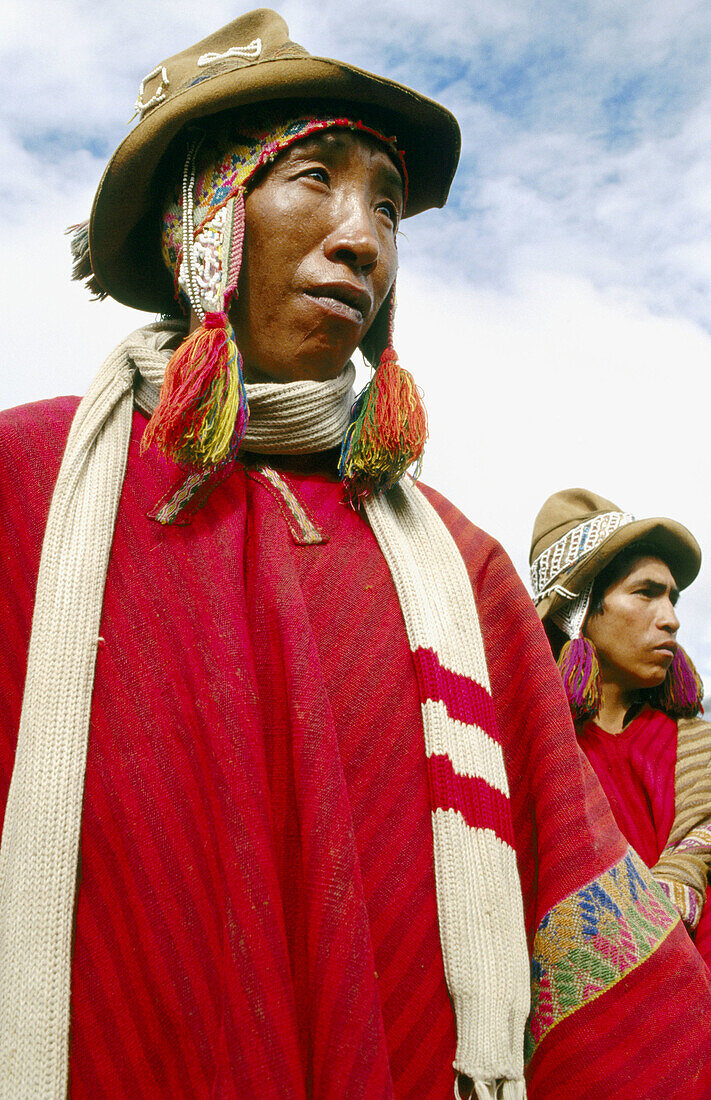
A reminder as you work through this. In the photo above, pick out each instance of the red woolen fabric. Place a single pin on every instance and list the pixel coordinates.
(702, 932)
(636, 770)
(256, 912)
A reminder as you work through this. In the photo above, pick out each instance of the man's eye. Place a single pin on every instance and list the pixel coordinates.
(319, 174)
(390, 210)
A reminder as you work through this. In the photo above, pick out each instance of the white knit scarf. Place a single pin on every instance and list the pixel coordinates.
(478, 892)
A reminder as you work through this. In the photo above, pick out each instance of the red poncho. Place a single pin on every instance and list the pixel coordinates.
(639, 770)
(256, 913)
(636, 770)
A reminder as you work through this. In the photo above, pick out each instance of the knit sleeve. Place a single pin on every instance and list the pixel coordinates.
(684, 865)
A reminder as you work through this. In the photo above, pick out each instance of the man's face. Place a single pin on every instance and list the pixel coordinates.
(320, 256)
(635, 635)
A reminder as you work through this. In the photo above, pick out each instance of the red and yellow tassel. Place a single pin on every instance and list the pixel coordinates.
(387, 432)
(202, 412)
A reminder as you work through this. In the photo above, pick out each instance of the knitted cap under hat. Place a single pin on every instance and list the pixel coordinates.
(251, 64)
(203, 414)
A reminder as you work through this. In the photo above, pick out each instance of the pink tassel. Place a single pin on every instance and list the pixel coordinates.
(681, 692)
(580, 670)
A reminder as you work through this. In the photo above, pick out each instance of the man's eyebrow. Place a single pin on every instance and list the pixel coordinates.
(393, 177)
(333, 142)
(657, 587)
(308, 145)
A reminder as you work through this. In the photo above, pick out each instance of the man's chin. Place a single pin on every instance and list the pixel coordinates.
(652, 679)
(311, 370)
(315, 362)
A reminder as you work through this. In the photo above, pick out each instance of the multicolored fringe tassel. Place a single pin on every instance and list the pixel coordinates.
(682, 691)
(202, 412)
(580, 670)
(387, 432)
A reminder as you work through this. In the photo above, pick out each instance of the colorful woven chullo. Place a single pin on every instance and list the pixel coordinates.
(203, 412)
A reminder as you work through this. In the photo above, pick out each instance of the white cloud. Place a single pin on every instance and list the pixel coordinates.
(554, 385)
(554, 313)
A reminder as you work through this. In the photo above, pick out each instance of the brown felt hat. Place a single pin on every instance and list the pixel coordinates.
(250, 61)
(577, 533)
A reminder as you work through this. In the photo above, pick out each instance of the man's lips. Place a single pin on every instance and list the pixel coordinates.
(343, 299)
(666, 648)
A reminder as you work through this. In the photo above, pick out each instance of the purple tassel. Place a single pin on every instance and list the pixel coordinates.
(681, 692)
(580, 670)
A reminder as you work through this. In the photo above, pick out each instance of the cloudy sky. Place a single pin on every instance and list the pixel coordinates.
(557, 313)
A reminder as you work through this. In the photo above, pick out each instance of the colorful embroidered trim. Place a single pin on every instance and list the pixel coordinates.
(698, 840)
(180, 503)
(303, 530)
(591, 939)
(684, 899)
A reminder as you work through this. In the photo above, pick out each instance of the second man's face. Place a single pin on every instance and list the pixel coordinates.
(320, 256)
(635, 635)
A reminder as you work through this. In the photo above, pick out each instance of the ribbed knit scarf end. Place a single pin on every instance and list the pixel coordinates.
(498, 1090)
(479, 902)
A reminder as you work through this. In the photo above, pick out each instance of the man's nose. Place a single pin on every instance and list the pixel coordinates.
(669, 620)
(353, 239)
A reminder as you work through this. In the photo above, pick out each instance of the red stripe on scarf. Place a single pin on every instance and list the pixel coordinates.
(481, 806)
(465, 699)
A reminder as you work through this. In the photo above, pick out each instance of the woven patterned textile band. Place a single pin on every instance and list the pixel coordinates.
(570, 617)
(573, 546)
(592, 939)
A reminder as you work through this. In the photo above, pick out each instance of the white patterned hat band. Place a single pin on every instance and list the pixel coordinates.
(571, 616)
(567, 551)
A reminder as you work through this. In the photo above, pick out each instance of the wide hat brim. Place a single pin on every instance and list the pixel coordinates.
(675, 543)
(123, 228)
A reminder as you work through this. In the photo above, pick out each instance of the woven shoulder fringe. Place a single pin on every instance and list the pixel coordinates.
(496, 1090)
(478, 893)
